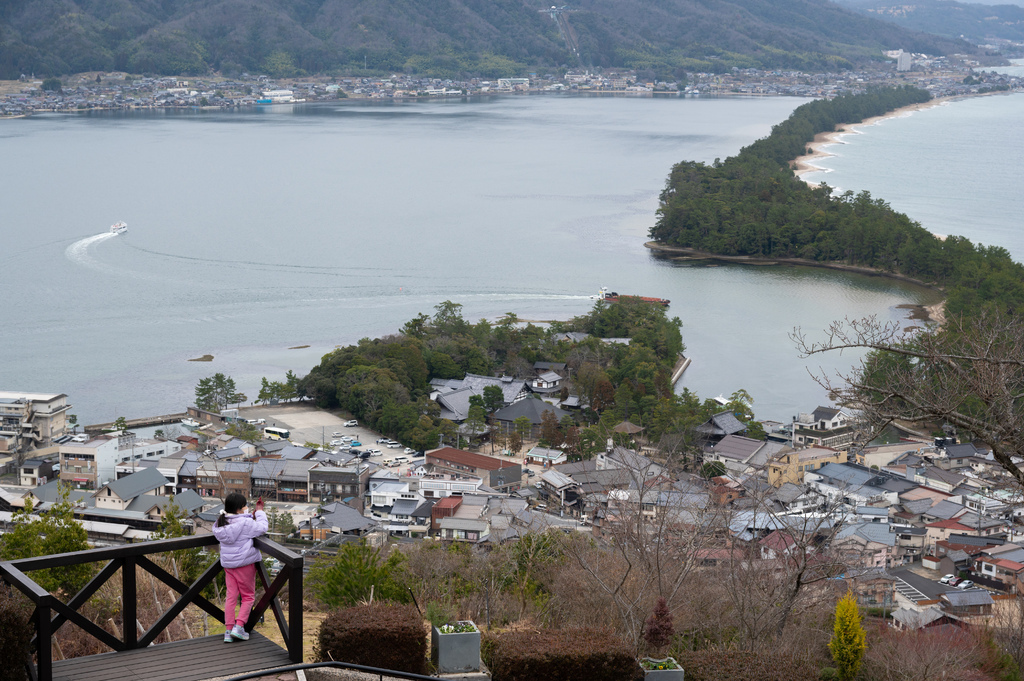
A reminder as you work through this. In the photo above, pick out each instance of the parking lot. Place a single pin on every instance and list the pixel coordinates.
(310, 424)
(916, 587)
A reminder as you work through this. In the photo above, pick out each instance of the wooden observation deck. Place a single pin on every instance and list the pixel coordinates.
(135, 656)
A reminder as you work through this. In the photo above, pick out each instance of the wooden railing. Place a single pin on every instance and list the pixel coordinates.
(50, 612)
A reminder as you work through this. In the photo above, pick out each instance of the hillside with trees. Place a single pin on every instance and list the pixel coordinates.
(439, 37)
(753, 205)
(975, 22)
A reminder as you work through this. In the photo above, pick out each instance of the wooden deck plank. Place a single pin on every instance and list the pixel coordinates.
(192, 660)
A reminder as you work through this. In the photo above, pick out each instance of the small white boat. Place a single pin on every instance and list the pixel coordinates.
(190, 423)
(119, 227)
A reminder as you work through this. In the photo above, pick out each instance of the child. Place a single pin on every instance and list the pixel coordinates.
(235, 531)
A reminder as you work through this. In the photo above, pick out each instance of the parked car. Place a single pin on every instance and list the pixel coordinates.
(374, 452)
(946, 579)
(965, 584)
(408, 450)
(394, 445)
(954, 581)
(355, 443)
(351, 424)
(383, 440)
(337, 433)
(365, 455)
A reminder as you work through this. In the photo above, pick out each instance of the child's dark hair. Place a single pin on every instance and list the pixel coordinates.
(234, 503)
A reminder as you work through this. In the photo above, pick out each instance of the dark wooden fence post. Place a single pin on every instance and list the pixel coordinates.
(295, 614)
(44, 633)
(129, 610)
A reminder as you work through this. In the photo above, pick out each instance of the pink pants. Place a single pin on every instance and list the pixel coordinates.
(241, 582)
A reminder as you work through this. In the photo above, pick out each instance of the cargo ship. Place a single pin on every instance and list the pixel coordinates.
(613, 297)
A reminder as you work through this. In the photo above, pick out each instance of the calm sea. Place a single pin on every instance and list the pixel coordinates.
(254, 233)
(955, 168)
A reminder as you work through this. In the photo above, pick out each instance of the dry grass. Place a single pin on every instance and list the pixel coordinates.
(310, 628)
(12, 87)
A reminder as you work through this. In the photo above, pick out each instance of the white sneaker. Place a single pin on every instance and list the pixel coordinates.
(239, 633)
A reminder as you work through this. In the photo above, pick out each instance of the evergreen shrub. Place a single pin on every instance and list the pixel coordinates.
(559, 655)
(15, 634)
(376, 635)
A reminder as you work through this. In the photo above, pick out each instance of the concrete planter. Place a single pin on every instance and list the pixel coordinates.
(453, 653)
(676, 674)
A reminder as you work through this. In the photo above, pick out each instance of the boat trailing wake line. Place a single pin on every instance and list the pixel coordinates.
(78, 252)
(318, 269)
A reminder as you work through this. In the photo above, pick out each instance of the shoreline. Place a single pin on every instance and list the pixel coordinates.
(928, 313)
(802, 165)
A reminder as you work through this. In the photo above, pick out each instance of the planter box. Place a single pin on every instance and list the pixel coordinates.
(453, 653)
(676, 674)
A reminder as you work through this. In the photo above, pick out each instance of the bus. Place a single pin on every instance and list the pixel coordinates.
(276, 433)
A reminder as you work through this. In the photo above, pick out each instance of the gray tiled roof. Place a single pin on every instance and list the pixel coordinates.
(845, 474)
(50, 492)
(510, 387)
(531, 409)
(917, 619)
(404, 507)
(722, 423)
(946, 510)
(788, 493)
(917, 506)
(455, 404)
(737, 447)
(343, 518)
(131, 486)
(961, 599)
(144, 502)
(961, 450)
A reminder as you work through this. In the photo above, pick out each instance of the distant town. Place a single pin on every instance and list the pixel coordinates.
(942, 76)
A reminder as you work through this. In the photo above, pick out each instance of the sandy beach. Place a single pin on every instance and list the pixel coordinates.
(805, 164)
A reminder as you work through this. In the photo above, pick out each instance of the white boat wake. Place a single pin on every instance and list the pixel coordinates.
(78, 252)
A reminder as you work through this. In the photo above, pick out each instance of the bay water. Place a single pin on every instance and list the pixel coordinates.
(955, 168)
(267, 237)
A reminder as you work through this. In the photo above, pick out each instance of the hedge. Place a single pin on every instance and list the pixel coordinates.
(376, 635)
(559, 655)
(735, 665)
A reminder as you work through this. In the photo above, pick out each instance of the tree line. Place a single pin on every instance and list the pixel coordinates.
(385, 382)
(752, 204)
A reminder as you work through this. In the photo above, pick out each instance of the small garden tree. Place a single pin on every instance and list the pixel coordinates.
(658, 629)
(848, 638)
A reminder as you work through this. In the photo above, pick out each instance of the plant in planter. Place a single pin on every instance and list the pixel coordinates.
(455, 647)
(658, 632)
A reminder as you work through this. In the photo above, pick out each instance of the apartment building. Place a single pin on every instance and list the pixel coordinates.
(31, 420)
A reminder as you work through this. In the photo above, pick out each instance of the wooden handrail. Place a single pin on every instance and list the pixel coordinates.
(50, 612)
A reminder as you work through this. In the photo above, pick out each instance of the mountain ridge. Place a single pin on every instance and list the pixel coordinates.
(489, 38)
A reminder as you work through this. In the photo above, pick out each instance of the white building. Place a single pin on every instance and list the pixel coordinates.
(431, 485)
(93, 463)
(513, 83)
(902, 61)
(279, 96)
(31, 420)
